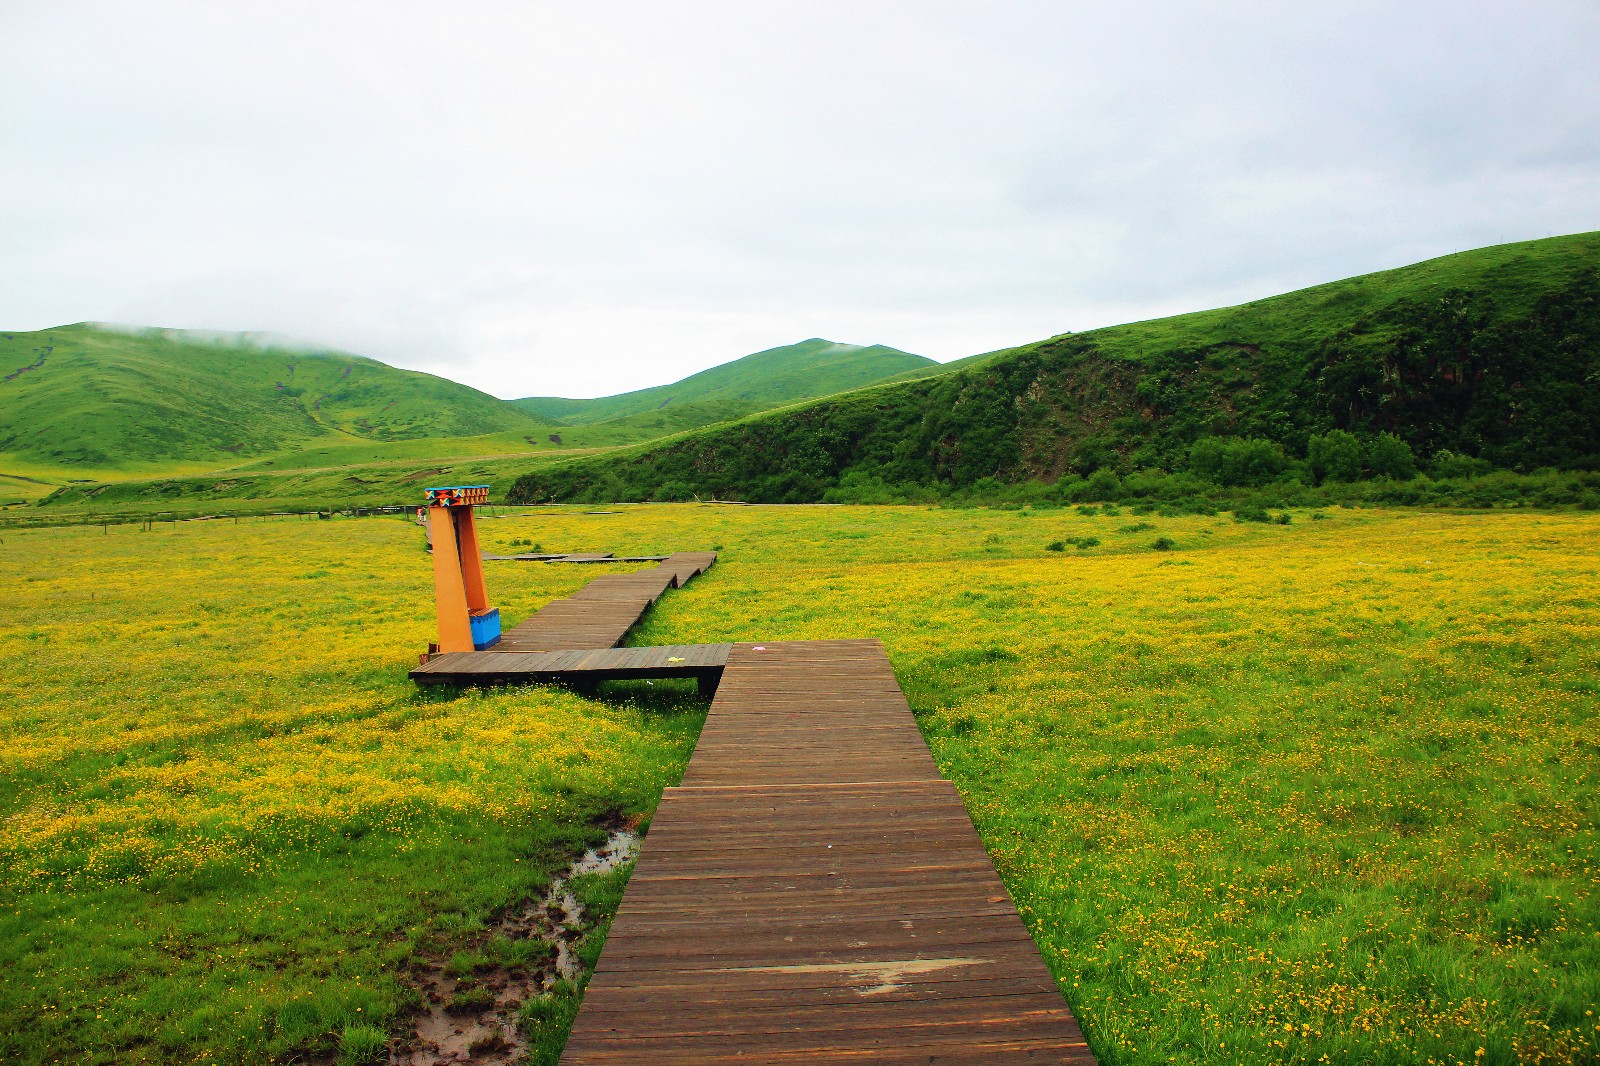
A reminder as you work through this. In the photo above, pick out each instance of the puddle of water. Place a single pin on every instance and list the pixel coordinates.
(473, 1018)
(565, 913)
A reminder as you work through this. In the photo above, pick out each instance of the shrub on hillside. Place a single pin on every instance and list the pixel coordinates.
(1447, 464)
(1389, 456)
(1235, 461)
(1102, 485)
(1334, 456)
(1154, 484)
(1290, 492)
(869, 487)
(673, 492)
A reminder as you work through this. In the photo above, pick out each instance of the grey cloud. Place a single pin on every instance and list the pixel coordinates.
(544, 198)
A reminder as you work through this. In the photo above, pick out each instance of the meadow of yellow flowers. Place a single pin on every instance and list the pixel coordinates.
(1322, 791)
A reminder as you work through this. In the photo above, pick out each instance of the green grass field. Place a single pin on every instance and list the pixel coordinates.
(1317, 792)
(231, 820)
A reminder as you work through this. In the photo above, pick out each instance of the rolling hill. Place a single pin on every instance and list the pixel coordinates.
(1492, 354)
(1470, 362)
(95, 397)
(772, 378)
(86, 404)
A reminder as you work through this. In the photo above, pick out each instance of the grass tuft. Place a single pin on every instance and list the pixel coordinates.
(360, 1045)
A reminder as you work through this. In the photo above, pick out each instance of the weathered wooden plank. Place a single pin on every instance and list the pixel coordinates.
(795, 990)
(594, 664)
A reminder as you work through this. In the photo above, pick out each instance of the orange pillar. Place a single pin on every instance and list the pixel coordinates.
(450, 591)
(471, 561)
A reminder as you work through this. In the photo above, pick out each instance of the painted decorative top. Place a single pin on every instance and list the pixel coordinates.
(458, 496)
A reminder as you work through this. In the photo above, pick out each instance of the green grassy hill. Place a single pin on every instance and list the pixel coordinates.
(86, 403)
(1470, 362)
(758, 382)
(1492, 355)
(98, 398)
(161, 420)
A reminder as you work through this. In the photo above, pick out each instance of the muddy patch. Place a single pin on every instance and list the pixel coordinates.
(471, 999)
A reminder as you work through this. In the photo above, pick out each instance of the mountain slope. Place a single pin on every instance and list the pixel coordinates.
(1493, 353)
(757, 382)
(99, 397)
(113, 401)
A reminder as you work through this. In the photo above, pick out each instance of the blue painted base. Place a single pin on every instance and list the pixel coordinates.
(485, 629)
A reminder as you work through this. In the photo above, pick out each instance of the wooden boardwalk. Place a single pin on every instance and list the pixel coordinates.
(704, 662)
(600, 614)
(576, 557)
(815, 892)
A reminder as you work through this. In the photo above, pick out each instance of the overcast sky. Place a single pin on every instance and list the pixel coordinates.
(586, 198)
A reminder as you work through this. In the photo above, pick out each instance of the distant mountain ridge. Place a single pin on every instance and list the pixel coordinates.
(760, 381)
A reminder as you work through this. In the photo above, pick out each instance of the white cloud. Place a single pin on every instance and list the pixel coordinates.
(579, 199)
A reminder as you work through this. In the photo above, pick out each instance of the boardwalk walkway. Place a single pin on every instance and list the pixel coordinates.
(575, 557)
(600, 614)
(704, 662)
(815, 892)
(597, 616)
